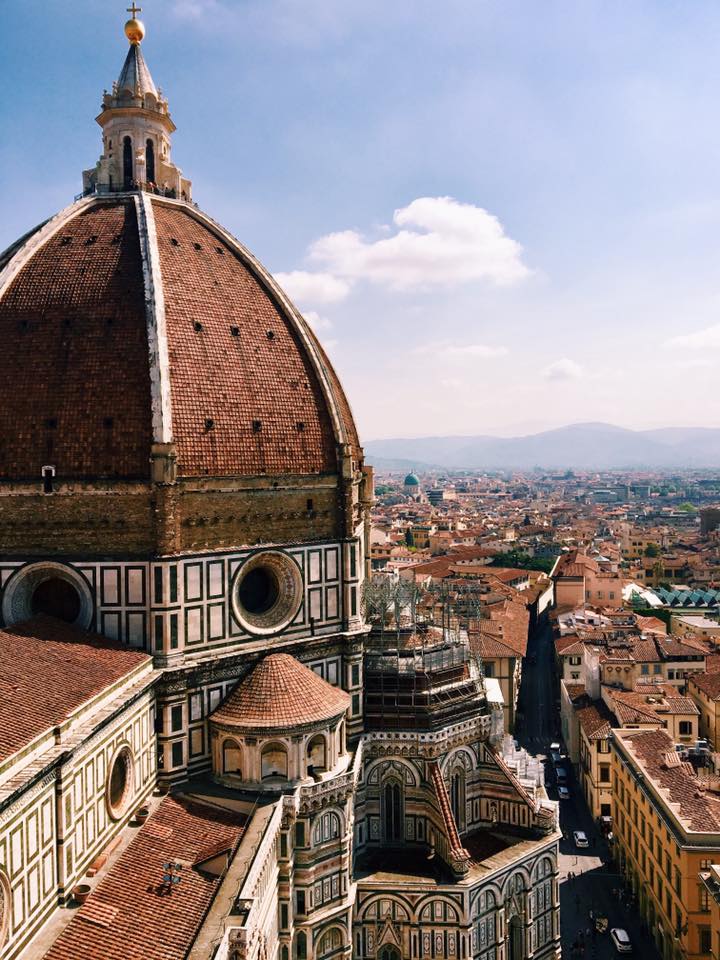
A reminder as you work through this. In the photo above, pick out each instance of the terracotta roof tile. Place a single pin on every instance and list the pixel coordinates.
(76, 311)
(49, 669)
(131, 915)
(709, 683)
(224, 377)
(281, 693)
(699, 808)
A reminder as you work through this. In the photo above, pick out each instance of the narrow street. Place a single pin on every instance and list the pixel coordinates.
(590, 886)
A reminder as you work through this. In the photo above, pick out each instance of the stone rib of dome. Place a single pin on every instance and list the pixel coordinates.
(135, 75)
(281, 693)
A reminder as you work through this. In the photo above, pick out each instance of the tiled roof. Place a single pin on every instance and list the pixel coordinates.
(281, 693)
(575, 691)
(131, 915)
(595, 720)
(49, 670)
(709, 683)
(699, 808)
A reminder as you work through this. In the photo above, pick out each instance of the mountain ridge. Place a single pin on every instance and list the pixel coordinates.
(592, 445)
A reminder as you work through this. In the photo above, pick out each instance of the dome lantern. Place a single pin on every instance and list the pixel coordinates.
(137, 131)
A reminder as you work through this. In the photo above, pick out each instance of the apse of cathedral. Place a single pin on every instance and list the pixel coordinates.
(211, 744)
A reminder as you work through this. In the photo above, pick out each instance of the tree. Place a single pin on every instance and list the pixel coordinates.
(652, 550)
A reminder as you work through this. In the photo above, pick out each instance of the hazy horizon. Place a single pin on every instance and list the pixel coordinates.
(499, 218)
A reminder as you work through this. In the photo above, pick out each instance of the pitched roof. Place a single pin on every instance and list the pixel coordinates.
(709, 683)
(131, 914)
(281, 693)
(49, 670)
(595, 720)
(654, 751)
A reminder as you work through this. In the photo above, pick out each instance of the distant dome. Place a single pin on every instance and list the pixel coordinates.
(281, 694)
(411, 480)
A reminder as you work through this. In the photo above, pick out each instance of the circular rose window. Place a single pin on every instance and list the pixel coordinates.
(267, 592)
(119, 785)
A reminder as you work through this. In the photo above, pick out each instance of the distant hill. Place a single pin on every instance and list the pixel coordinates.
(584, 446)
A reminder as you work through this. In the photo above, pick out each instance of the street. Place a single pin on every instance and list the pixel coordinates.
(590, 886)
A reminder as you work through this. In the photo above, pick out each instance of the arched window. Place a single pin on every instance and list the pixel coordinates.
(327, 827)
(150, 161)
(393, 812)
(341, 738)
(457, 797)
(127, 162)
(301, 946)
(389, 953)
(232, 757)
(274, 761)
(316, 755)
(330, 944)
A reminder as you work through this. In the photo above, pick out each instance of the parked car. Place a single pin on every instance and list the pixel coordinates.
(621, 940)
(561, 776)
(555, 747)
(563, 793)
(581, 840)
(556, 758)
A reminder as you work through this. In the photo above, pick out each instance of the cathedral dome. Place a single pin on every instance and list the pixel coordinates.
(130, 320)
(281, 693)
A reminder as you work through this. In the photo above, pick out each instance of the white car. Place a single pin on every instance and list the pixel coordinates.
(581, 840)
(621, 940)
(563, 793)
(555, 747)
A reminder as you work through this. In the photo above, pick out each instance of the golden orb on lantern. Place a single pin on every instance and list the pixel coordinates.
(135, 31)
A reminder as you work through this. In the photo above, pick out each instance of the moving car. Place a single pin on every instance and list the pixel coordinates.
(563, 793)
(621, 940)
(581, 840)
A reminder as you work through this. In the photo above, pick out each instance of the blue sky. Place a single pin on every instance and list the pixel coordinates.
(500, 216)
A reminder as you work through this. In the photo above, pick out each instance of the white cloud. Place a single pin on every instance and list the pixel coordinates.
(318, 323)
(451, 351)
(313, 288)
(562, 370)
(195, 9)
(438, 242)
(707, 339)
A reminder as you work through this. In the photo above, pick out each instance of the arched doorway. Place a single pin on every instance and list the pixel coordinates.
(316, 755)
(127, 161)
(393, 811)
(389, 953)
(232, 757)
(517, 939)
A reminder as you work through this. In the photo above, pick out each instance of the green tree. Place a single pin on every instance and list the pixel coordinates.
(652, 550)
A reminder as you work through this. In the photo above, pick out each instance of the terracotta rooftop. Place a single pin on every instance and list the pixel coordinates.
(595, 720)
(281, 693)
(131, 914)
(654, 751)
(709, 683)
(49, 670)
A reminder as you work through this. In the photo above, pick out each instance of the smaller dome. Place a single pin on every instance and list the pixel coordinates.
(411, 480)
(281, 694)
